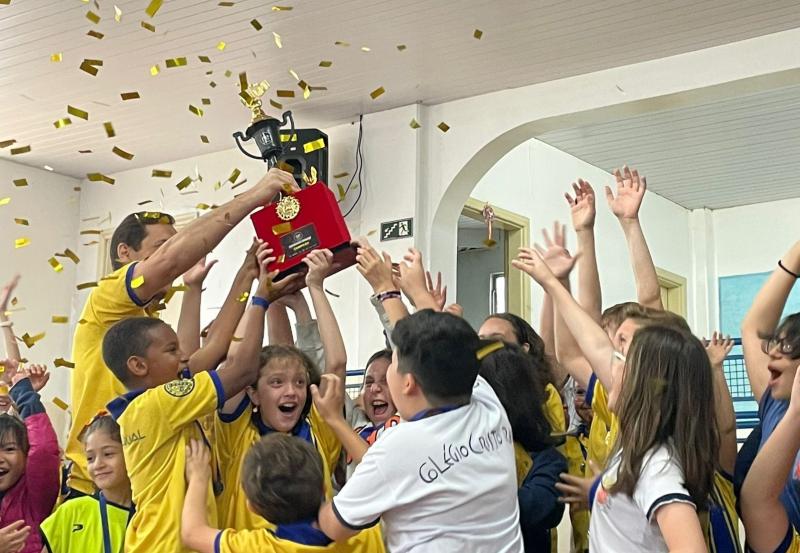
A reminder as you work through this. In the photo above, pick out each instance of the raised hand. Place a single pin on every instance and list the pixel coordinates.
(376, 269)
(6, 293)
(530, 261)
(412, 275)
(250, 264)
(198, 460)
(9, 369)
(575, 489)
(630, 192)
(320, 263)
(555, 252)
(197, 274)
(438, 293)
(718, 348)
(582, 206)
(38, 376)
(14, 536)
(455, 309)
(275, 182)
(329, 396)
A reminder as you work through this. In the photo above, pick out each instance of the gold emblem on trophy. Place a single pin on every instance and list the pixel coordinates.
(251, 97)
(287, 209)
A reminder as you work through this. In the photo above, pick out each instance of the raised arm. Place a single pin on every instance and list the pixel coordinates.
(10, 341)
(189, 319)
(413, 282)
(718, 349)
(377, 270)
(763, 317)
(319, 264)
(630, 193)
(329, 400)
(196, 533)
(583, 210)
(765, 520)
(178, 254)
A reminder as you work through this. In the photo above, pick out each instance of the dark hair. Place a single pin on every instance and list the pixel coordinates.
(273, 352)
(9, 424)
(667, 399)
(104, 423)
(125, 339)
(525, 334)
(439, 349)
(133, 230)
(510, 372)
(789, 331)
(282, 478)
(382, 354)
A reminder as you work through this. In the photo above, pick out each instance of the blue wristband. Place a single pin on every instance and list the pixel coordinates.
(261, 302)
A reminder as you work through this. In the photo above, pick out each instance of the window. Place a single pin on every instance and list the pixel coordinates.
(497, 293)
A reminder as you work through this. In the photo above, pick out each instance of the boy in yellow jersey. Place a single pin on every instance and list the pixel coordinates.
(147, 255)
(160, 414)
(282, 477)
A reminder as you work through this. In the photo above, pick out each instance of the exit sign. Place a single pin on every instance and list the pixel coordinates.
(395, 230)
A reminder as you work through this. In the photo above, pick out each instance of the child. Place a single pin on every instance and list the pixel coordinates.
(29, 458)
(97, 522)
(160, 415)
(282, 477)
(508, 370)
(445, 480)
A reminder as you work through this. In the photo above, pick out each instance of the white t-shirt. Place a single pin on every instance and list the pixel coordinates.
(621, 524)
(442, 483)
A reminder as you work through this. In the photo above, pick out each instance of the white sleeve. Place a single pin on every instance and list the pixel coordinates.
(367, 494)
(661, 482)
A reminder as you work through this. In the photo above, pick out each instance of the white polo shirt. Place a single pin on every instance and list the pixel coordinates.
(442, 483)
(621, 524)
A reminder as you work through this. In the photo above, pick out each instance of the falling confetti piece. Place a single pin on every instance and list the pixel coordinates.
(84, 151)
(414, 124)
(314, 145)
(341, 192)
(155, 70)
(165, 173)
(277, 38)
(325, 63)
(145, 202)
(5, 201)
(56, 57)
(61, 123)
(243, 297)
(100, 177)
(372, 232)
(109, 127)
(90, 231)
(90, 66)
(294, 74)
(221, 45)
(212, 84)
(93, 17)
(203, 139)
(477, 34)
(55, 264)
(85, 285)
(59, 319)
(341, 43)
(276, 105)
(282, 8)
(122, 153)
(256, 25)
(226, 4)
(197, 111)
(117, 14)
(7, 143)
(95, 34)
(377, 92)
(149, 26)
(175, 62)
(22, 222)
(366, 49)
(21, 242)
(61, 362)
(285, 93)
(234, 175)
(444, 127)
(20, 182)
(228, 73)
(71, 255)
(184, 183)
(401, 47)
(204, 59)
(154, 6)
(205, 101)
(30, 341)
(130, 96)
(137, 282)
(21, 150)
(341, 175)
(78, 112)
(202, 206)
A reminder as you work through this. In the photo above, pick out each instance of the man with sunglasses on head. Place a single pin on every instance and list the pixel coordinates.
(147, 255)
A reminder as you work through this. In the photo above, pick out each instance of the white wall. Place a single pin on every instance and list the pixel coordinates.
(475, 268)
(50, 204)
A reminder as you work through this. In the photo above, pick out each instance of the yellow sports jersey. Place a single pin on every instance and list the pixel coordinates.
(523, 461)
(791, 543)
(92, 384)
(76, 526)
(554, 410)
(721, 522)
(576, 451)
(605, 425)
(235, 434)
(156, 424)
(296, 538)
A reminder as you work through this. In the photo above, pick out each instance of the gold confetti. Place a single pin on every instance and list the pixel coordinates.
(372, 232)
(5, 201)
(117, 14)
(226, 4)
(22, 222)
(7, 143)
(444, 127)
(78, 112)
(234, 175)
(221, 45)
(61, 123)
(122, 153)
(71, 255)
(401, 47)
(203, 139)
(154, 6)
(243, 81)
(204, 59)
(212, 84)
(145, 202)
(84, 151)
(243, 297)
(20, 150)
(282, 8)
(184, 183)
(414, 124)
(377, 92)
(30, 341)
(59, 319)
(56, 57)
(93, 17)
(90, 66)
(228, 73)
(137, 282)
(238, 184)
(175, 62)
(197, 111)
(477, 34)
(325, 63)
(318, 144)
(341, 43)
(100, 177)
(202, 206)
(21, 242)
(90, 231)
(60, 403)
(164, 173)
(95, 34)
(205, 101)
(55, 264)
(149, 26)
(20, 182)
(256, 25)
(277, 38)
(130, 95)
(276, 105)
(155, 70)
(341, 192)
(366, 49)
(109, 127)
(341, 175)
(285, 93)
(306, 93)
(84, 286)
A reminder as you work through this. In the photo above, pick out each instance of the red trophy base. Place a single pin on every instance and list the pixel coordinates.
(318, 225)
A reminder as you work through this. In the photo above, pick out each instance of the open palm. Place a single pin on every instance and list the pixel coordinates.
(582, 206)
(630, 192)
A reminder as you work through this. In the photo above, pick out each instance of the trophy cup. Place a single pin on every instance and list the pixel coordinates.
(297, 222)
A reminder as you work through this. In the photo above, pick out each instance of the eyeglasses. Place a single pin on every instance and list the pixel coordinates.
(784, 347)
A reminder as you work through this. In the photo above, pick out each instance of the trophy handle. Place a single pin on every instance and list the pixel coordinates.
(239, 139)
(287, 115)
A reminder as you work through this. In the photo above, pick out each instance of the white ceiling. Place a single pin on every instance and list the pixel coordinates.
(721, 154)
(524, 42)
